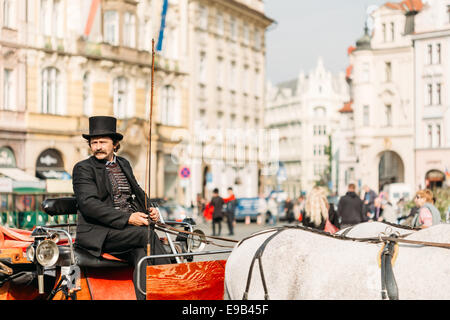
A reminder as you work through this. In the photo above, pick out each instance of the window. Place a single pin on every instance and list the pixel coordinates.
(430, 135)
(233, 28)
(129, 30)
(245, 34)
(8, 13)
(233, 76)
(365, 72)
(388, 115)
(438, 53)
(219, 22)
(51, 91)
(257, 36)
(388, 71)
(429, 54)
(438, 93)
(429, 94)
(45, 18)
(203, 17)
(8, 90)
(202, 67)
(438, 135)
(170, 113)
(145, 35)
(52, 18)
(220, 72)
(392, 31)
(111, 27)
(58, 19)
(366, 116)
(384, 32)
(245, 80)
(120, 97)
(87, 105)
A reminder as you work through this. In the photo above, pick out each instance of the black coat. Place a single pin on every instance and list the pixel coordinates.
(350, 209)
(217, 203)
(93, 192)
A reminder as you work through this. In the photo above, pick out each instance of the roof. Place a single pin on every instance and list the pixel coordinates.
(290, 84)
(350, 49)
(406, 5)
(347, 107)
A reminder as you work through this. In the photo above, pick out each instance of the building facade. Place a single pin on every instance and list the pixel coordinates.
(382, 102)
(226, 85)
(75, 59)
(431, 43)
(305, 112)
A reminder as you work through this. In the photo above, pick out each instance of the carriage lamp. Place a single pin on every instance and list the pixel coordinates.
(47, 253)
(30, 253)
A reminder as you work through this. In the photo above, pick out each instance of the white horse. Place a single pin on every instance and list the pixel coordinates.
(373, 229)
(300, 264)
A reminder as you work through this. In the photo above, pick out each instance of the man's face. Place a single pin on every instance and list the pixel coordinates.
(102, 148)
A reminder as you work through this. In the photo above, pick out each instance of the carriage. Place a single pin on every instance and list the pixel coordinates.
(46, 264)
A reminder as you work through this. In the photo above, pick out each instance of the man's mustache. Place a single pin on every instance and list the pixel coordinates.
(99, 152)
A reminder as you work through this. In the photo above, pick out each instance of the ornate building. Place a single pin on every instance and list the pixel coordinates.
(431, 42)
(381, 108)
(227, 74)
(305, 112)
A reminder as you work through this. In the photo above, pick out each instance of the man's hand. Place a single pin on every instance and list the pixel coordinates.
(141, 219)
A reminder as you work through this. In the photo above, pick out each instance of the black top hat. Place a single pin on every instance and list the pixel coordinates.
(103, 126)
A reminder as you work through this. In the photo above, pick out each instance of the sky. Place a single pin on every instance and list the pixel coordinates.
(307, 29)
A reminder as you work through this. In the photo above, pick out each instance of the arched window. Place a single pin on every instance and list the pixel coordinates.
(51, 91)
(120, 97)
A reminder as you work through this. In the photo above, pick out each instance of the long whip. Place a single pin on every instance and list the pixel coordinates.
(151, 226)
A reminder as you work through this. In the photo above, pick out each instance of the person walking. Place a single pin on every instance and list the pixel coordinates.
(230, 209)
(262, 209)
(217, 215)
(350, 208)
(289, 210)
(427, 214)
(272, 209)
(369, 201)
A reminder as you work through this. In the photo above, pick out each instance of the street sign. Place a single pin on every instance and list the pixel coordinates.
(185, 172)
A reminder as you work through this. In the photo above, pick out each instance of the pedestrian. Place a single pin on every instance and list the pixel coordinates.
(289, 210)
(427, 214)
(272, 209)
(299, 208)
(262, 209)
(350, 208)
(200, 204)
(230, 209)
(217, 215)
(113, 217)
(369, 201)
(387, 212)
(318, 210)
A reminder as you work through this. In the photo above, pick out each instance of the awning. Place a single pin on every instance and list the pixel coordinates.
(53, 174)
(22, 180)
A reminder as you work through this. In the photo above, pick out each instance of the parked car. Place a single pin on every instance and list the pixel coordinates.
(172, 211)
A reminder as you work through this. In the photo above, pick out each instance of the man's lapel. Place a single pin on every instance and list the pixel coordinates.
(101, 170)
